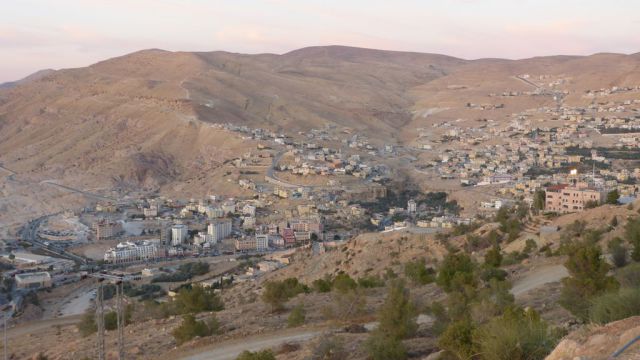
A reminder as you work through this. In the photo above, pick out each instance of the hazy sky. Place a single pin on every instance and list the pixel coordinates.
(37, 34)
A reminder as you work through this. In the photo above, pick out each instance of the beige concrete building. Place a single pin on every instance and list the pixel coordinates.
(33, 280)
(565, 198)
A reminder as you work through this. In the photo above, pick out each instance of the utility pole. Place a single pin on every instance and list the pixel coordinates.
(120, 318)
(100, 318)
(6, 344)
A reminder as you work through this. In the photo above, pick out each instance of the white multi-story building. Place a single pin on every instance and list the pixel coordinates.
(412, 207)
(203, 238)
(126, 252)
(179, 234)
(262, 242)
(219, 229)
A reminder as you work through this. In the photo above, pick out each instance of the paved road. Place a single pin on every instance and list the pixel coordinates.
(230, 350)
(85, 193)
(527, 81)
(539, 277)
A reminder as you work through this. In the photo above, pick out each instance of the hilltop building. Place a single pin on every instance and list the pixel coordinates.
(564, 198)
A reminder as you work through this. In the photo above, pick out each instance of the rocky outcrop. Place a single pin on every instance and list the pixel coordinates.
(600, 342)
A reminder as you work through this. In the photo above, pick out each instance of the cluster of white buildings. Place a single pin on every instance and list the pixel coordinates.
(126, 252)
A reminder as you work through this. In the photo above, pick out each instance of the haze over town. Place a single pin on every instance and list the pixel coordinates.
(320, 180)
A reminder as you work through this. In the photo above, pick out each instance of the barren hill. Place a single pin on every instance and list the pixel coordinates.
(143, 118)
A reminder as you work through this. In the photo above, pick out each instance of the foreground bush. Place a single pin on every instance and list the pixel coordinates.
(629, 276)
(276, 293)
(297, 316)
(397, 321)
(516, 335)
(588, 279)
(418, 273)
(383, 347)
(615, 306)
(191, 328)
(258, 355)
(330, 347)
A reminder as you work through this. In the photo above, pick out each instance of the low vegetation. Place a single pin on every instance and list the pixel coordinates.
(588, 278)
(258, 355)
(276, 293)
(191, 328)
(615, 306)
(185, 272)
(397, 321)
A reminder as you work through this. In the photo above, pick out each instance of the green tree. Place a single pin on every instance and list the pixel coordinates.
(457, 339)
(456, 271)
(539, 199)
(397, 316)
(632, 233)
(197, 299)
(588, 279)
(321, 285)
(276, 293)
(493, 257)
(397, 321)
(612, 197)
(344, 283)
(618, 252)
(191, 328)
(418, 273)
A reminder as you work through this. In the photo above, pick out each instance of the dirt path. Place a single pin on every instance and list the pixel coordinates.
(39, 325)
(538, 277)
(230, 350)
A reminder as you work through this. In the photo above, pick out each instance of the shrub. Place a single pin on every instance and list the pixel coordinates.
(628, 276)
(296, 317)
(197, 299)
(343, 283)
(329, 348)
(632, 233)
(529, 246)
(457, 339)
(321, 285)
(191, 328)
(184, 272)
(276, 293)
(516, 335)
(418, 273)
(493, 273)
(87, 324)
(381, 347)
(615, 306)
(457, 270)
(258, 355)
(618, 252)
(588, 279)
(612, 197)
(370, 282)
(397, 316)
(493, 257)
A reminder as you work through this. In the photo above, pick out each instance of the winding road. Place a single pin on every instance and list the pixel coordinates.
(538, 277)
(230, 350)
